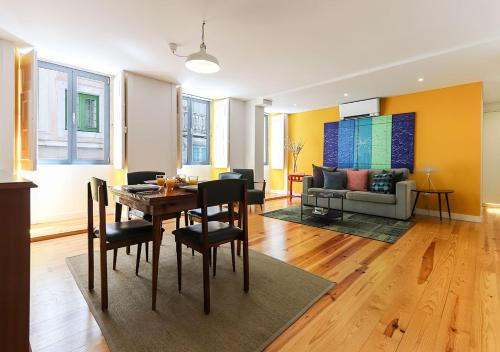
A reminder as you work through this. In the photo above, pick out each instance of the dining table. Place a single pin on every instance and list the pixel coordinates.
(160, 205)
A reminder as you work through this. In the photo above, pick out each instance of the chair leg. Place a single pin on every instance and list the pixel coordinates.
(104, 279)
(178, 247)
(192, 252)
(147, 251)
(91, 263)
(178, 221)
(138, 259)
(261, 208)
(206, 281)
(115, 254)
(127, 250)
(238, 248)
(246, 283)
(214, 265)
(233, 259)
(209, 257)
(186, 219)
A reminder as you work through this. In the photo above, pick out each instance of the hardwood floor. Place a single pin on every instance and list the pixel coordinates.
(436, 289)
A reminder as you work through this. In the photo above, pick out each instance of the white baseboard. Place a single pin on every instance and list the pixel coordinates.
(454, 216)
(73, 215)
(278, 191)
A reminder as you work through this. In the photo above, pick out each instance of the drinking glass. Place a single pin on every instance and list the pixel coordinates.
(193, 180)
(170, 183)
(160, 180)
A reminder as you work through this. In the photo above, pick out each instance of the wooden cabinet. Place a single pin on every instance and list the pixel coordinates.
(14, 262)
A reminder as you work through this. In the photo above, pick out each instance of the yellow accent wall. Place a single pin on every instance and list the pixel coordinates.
(214, 172)
(447, 139)
(276, 177)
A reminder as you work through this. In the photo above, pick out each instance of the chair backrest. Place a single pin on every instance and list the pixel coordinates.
(137, 178)
(229, 176)
(246, 174)
(220, 192)
(95, 183)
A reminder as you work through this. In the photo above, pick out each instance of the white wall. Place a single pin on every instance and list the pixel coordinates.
(237, 134)
(62, 190)
(7, 87)
(151, 124)
(491, 154)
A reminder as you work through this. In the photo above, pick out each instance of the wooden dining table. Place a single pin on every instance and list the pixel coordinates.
(160, 205)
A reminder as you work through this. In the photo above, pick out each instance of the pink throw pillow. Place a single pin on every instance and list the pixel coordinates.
(357, 180)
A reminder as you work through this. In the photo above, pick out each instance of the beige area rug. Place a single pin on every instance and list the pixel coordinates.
(279, 294)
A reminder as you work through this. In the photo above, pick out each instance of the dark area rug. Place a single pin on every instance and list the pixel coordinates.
(279, 294)
(363, 225)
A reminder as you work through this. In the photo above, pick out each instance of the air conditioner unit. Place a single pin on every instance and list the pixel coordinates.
(361, 108)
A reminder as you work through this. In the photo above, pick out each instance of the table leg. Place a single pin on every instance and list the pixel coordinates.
(156, 256)
(448, 205)
(290, 187)
(415, 204)
(439, 202)
(118, 212)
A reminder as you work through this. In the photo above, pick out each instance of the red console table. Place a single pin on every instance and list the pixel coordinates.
(294, 178)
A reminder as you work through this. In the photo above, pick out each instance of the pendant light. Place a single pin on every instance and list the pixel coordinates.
(201, 61)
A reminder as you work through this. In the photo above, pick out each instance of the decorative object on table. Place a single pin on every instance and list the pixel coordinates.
(279, 295)
(295, 147)
(362, 225)
(439, 192)
(318, 176)
(381, 142)
(294, 178)
(428, 181)
(201, 61)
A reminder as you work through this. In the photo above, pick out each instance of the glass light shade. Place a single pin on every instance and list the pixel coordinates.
(202, 62)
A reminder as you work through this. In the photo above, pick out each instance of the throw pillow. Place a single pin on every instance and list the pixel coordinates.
(318, 177)
(396, 177)
(357, 180)
(334, 180)
(383, 183)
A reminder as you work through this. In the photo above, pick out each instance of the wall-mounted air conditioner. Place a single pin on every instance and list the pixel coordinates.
(361, 108)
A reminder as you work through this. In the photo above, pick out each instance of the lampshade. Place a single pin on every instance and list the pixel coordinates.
(202, 62)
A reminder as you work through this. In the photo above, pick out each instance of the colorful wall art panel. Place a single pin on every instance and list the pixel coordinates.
(380, 142)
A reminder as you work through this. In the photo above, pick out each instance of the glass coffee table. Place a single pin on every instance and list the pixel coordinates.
(321, 211)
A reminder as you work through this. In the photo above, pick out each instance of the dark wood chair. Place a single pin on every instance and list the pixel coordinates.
(210, 234)
(137, 178)
(111, 236)
(255, 195)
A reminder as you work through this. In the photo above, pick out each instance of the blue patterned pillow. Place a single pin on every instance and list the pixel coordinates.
(382, 183)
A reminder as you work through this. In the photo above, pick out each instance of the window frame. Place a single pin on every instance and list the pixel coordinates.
(189, 135)
(81, 120)
(71, 107)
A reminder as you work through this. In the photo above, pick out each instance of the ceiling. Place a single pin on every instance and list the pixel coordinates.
(301, 54)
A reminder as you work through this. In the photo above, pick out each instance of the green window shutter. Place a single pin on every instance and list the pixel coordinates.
(88, 113)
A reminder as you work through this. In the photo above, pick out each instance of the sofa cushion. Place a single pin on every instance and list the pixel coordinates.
(382, 183)
(357, 180)
(318, 177)
(334, 180)
(371, 197)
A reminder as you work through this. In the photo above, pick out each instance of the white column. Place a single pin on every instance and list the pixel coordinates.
(7, 100)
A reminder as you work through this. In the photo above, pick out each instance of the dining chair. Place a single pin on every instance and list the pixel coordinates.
(210, 234)
(218, 213)
(137, 178)
(255, 195)
(111, 236)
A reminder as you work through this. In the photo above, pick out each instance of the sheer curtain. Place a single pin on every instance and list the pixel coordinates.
(221, 133)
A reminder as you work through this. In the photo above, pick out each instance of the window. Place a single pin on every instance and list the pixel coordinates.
(73, 116)
(196, 131)
(266, 139)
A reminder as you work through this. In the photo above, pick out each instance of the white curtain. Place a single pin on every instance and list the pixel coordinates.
(119, 121)
(221, 133)
(278, 142)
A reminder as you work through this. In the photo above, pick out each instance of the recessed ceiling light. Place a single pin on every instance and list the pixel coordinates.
(294, 104)
(346, 95)
(420, 79)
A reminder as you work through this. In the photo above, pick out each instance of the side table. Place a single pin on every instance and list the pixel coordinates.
(438, 192)
(294, 178)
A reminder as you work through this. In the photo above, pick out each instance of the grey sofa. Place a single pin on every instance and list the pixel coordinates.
(397, 206)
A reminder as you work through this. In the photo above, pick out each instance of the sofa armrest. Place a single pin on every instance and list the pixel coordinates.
(307, 182)
(405, 198)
